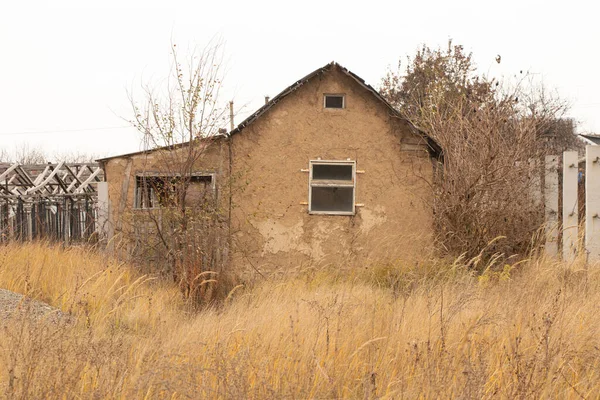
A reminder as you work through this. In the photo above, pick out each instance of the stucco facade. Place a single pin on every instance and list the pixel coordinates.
(262, 179)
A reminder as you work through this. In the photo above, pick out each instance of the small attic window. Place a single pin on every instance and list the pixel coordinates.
(334, 101)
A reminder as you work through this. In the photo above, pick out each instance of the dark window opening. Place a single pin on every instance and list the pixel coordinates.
(334, 101)
(331, 187)
(201, 178)
(332, 199)
(163, 191)
(332, 172)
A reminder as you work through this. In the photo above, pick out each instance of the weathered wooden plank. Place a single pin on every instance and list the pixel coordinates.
(86, 183)
(124, 191)
(6, 173)
(570, 211)
(551, 206)
(592, 203)
(41, 185)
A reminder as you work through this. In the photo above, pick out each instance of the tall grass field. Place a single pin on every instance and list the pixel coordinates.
(434, 330)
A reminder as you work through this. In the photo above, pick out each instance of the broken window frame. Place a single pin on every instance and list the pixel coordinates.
(326, 95)
(140, 196)
(312, 183)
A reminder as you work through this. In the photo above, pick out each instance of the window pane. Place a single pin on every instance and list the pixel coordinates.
(199, 191)
(332, 199)
(332, 172)
(207, 179)
(334, 101)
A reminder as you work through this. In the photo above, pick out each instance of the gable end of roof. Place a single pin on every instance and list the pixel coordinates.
(435, 149)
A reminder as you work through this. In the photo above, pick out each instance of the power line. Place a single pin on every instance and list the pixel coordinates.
(66, 130)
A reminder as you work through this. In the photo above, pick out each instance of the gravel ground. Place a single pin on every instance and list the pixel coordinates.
(15, 305)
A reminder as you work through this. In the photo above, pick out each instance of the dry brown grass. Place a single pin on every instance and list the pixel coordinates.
(430, 331)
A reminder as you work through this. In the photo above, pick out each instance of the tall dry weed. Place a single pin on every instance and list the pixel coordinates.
(524, 331)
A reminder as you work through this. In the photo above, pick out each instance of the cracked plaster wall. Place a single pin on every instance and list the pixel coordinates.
(273, 230)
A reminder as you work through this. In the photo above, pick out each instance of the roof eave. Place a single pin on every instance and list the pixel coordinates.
(168, 147)
(591, 139)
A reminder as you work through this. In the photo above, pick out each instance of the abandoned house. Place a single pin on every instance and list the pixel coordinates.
(326, 172)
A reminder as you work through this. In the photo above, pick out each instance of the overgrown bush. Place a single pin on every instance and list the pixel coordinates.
(494, 136)
(178, 227)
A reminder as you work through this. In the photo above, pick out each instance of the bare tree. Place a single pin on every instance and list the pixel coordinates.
(4, 156)
(493, 135)
(179, 120)
(29, 155)
(75, 157)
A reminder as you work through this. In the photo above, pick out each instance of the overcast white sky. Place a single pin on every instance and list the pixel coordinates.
(65, 65)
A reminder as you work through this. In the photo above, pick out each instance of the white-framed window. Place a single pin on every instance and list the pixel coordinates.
(332, 187)
(154, 190)
(334, 101)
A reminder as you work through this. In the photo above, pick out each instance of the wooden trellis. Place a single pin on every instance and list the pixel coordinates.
(49, 201)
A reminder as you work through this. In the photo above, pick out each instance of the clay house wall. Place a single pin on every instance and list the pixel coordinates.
(325, 173)
(272, 226)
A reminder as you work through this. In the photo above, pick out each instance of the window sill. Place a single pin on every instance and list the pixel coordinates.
(342, 213)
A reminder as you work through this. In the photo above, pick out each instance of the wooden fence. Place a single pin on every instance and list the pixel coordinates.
(57, 202)
(572, 205)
